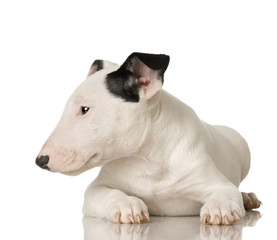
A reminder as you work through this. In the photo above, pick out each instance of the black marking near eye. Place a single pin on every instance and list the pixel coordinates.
(84, 110)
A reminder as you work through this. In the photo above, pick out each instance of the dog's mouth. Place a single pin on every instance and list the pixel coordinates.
(92, 162)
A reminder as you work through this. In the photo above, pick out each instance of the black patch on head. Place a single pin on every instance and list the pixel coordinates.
(122, 83)
(99, 64)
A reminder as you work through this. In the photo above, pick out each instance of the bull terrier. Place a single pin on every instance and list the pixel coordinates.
(157, 156)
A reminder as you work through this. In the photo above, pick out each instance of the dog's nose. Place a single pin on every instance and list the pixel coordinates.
(42, 162)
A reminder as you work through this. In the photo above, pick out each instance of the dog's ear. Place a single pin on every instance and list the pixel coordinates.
(98, 65)
(95, 66)
(140, 76)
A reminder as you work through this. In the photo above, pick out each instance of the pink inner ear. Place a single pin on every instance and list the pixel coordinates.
(147, 78)
(144, 74)
(92, 70)
(144, 82)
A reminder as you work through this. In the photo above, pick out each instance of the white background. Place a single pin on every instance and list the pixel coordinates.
(223, 64)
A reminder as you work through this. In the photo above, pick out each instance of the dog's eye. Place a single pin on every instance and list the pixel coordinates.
(84, 110)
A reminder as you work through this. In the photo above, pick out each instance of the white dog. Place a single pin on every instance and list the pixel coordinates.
(158, 157)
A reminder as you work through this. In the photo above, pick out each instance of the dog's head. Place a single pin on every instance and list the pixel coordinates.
(106, 117)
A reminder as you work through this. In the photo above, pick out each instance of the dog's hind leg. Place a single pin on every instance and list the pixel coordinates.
(250, 201)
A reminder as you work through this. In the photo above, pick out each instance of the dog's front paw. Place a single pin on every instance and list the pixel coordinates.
(128, 210)
(218, 212)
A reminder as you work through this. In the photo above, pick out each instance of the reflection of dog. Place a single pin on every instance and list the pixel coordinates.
(173, 228)
(158, 157)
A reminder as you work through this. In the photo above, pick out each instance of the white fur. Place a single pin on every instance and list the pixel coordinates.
(158, 157)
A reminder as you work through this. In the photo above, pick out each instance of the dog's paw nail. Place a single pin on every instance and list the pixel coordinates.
(227, 220)
(146, 215)
(236, 216)
(206, 219)
(137, 219)
(216, 220)
(116, 218)
(130, 217)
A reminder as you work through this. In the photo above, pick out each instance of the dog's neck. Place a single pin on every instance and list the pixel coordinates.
(165, 129)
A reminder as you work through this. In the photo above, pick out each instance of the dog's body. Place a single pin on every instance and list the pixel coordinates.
(158, 157)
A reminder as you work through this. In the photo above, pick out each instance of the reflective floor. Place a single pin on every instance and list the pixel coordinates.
(169, 228)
